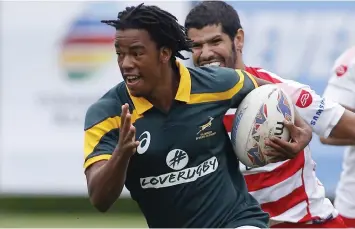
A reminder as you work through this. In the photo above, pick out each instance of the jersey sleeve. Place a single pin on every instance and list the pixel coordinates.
(243, 83)
(341, 85)
(224, 84)
(101, 134)
(320, 113)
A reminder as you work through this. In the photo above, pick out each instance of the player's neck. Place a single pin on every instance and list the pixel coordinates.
(239, 63)
(164, 94)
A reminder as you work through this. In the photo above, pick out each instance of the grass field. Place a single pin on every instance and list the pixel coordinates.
(67, 212)
(92, 220)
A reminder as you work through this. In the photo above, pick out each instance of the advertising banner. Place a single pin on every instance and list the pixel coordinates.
(58, 59)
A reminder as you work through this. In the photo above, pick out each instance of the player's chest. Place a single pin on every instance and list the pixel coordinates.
(186, 137)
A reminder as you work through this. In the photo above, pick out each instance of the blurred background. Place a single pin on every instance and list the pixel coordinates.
(57, 59)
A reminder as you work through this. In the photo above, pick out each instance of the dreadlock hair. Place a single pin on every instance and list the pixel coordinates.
(214, 13)
(161, 26)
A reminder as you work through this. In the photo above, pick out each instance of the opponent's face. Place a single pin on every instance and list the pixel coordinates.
(212, 47)
(138, 59)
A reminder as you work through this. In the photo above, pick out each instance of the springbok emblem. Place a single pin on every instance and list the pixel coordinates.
(205, 126)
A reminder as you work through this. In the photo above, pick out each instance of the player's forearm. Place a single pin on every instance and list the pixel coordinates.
(337, 142)
(345, 128)
(106, 183)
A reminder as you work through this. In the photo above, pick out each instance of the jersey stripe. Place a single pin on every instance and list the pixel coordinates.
(228, 121)
(275, 176)
(275, 192)
(94, 134)
(92, 160)
(219, 96)
(298, 213)
(252, 79)
(285, 203)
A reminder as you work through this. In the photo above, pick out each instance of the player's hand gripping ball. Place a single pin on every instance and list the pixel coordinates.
(260, 116)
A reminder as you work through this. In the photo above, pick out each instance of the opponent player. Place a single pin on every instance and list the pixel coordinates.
(341, 88)
(289, 191)
(183, 173)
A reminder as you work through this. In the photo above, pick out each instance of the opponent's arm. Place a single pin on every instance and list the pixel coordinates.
(106, 160)
(344, 132)
(300, 132)
(326, 117)
(341, 89)
(321, 114)
(337, 141)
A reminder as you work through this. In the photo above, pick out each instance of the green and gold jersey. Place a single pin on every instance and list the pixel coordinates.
(184, 173)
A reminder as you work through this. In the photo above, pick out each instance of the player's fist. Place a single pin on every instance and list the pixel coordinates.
(127, 144)
(301, 135)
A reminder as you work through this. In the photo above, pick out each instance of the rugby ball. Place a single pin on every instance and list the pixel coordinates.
(259, 116)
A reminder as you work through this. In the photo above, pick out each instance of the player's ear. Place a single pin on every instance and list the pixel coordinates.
(165, 54)
(239, 39)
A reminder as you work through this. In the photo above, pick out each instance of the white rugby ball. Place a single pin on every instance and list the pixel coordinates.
(259, 116)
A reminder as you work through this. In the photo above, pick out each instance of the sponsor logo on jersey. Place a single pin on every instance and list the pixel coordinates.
(341, 70)
(304, 100)
(144, 142)
(318, 113)
(180, 177)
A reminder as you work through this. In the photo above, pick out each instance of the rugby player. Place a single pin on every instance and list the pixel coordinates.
(290, 190)
(161, 131)
(341, 88)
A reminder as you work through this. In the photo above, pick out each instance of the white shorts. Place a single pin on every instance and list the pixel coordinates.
(345, 195)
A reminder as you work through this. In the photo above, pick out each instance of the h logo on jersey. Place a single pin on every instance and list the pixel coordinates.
(177, 159)
(304, 100)
(341, 70)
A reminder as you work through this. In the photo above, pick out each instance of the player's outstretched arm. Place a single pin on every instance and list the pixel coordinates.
(341, 89)
(320, 113)
(336, 141)
(106, 178)
(344, 131)
(326, 117)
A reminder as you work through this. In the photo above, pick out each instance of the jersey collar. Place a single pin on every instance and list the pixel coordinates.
(183, 92)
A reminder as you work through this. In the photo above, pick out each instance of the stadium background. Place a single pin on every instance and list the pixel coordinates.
(56, 59)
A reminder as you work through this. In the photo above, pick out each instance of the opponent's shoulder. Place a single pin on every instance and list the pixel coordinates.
(109, 105)
(264, 74)
(214, 79)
